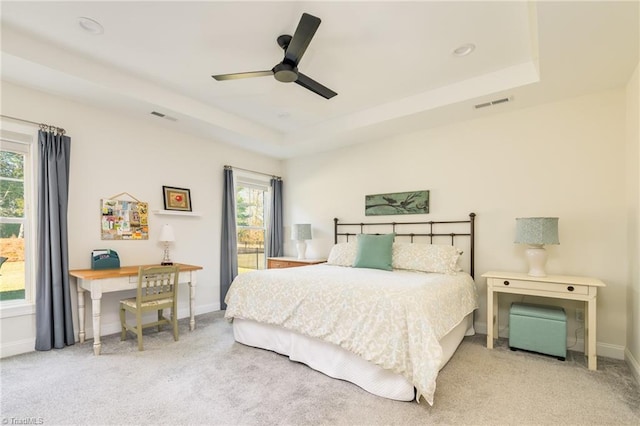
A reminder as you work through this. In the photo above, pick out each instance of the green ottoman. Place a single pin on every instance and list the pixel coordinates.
(538, 328)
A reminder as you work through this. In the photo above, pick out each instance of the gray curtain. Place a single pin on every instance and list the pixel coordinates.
(54, 321)
(228, 240)
(276, 229)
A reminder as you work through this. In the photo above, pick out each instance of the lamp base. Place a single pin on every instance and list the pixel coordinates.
(166, 260)
(302, 248)
(537, 257)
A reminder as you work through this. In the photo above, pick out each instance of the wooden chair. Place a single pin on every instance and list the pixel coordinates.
(157, 290)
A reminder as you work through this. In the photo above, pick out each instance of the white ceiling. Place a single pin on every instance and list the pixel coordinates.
(391, 63)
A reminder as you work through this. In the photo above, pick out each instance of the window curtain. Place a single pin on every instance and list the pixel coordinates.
(276, 229)
(54, 321)
(228, 240)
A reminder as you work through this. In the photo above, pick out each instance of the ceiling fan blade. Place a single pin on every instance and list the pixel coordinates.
(314, 86)
(302, 37)
(238, 75)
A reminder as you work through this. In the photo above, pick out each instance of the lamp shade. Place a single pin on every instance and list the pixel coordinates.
(166, 235)
(301, 231)
(537, 230)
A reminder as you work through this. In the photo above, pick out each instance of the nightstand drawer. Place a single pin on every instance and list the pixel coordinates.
(291, 262)
(539, 285)
(273, 264)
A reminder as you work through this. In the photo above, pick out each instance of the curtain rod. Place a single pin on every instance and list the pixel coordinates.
(252, 171)
(41, 125)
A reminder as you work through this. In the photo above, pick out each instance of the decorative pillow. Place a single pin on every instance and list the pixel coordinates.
(374, 251)
(343, 254)
(426, 257)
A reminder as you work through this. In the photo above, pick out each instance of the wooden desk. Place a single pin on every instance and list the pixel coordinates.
(126, 278)
(584, 289)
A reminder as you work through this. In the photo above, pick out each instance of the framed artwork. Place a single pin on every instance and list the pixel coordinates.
(414, 202)
(124, 220)
(176, 198)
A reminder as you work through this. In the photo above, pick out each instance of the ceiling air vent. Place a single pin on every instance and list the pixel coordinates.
(161, 115)
(492, 103)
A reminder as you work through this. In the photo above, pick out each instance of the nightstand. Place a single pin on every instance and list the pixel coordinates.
(555, 286)
(291, 262)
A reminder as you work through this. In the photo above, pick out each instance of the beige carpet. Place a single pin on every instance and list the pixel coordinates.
(207, 378)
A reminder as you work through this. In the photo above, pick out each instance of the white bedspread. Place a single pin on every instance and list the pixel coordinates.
(392, 319)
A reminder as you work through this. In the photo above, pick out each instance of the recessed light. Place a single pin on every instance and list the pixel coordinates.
(464, 50)
(90, 25)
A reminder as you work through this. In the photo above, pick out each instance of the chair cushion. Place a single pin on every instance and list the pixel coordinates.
(131, 302)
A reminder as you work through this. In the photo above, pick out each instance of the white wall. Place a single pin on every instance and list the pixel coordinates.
(564, 159)
(113, 153)
(632, 354)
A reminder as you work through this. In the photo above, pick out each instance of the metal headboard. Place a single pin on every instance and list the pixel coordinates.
(433, 229)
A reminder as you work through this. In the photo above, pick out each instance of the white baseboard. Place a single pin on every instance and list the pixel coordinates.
(633, 364)
(204, 309)
(18, 347)
(603, 349)
(114, 326)
(608, 350)
(28, 345)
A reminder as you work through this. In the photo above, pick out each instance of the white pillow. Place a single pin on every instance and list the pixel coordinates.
(426, 257)
(343, 254)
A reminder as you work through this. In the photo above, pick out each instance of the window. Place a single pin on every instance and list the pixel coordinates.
(252, 200)
(16, 218)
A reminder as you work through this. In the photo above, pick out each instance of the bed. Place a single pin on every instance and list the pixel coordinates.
(386, 312)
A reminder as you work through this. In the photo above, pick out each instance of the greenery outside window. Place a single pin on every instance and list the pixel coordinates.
(16, 219)
(252, 201)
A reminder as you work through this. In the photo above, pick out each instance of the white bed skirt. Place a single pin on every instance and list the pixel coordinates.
(337, 362)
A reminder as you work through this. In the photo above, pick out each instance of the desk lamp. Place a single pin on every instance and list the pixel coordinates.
(536, 232)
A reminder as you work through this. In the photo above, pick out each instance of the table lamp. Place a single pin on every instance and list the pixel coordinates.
(536, 232)
(166, 237)
(301, 232)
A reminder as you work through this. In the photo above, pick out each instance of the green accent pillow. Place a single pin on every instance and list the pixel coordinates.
(374, 251)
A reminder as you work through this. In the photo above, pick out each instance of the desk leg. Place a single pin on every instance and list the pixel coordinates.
(590, 335)
(192, 301)
(81, 317)
(496, 322)
(95, 305)
(492, 312)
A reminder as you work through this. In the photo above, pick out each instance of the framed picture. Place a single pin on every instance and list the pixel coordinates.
(176, 198)
(414, 202)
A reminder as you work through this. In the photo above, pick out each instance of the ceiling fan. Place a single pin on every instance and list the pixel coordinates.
(287, 70)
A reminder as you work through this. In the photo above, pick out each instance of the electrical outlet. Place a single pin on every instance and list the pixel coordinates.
(580, 315)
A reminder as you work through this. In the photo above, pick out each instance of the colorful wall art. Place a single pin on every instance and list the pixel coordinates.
(124, 220)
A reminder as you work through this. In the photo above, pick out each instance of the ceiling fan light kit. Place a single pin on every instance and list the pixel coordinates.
(287, 70)
(285, 73)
